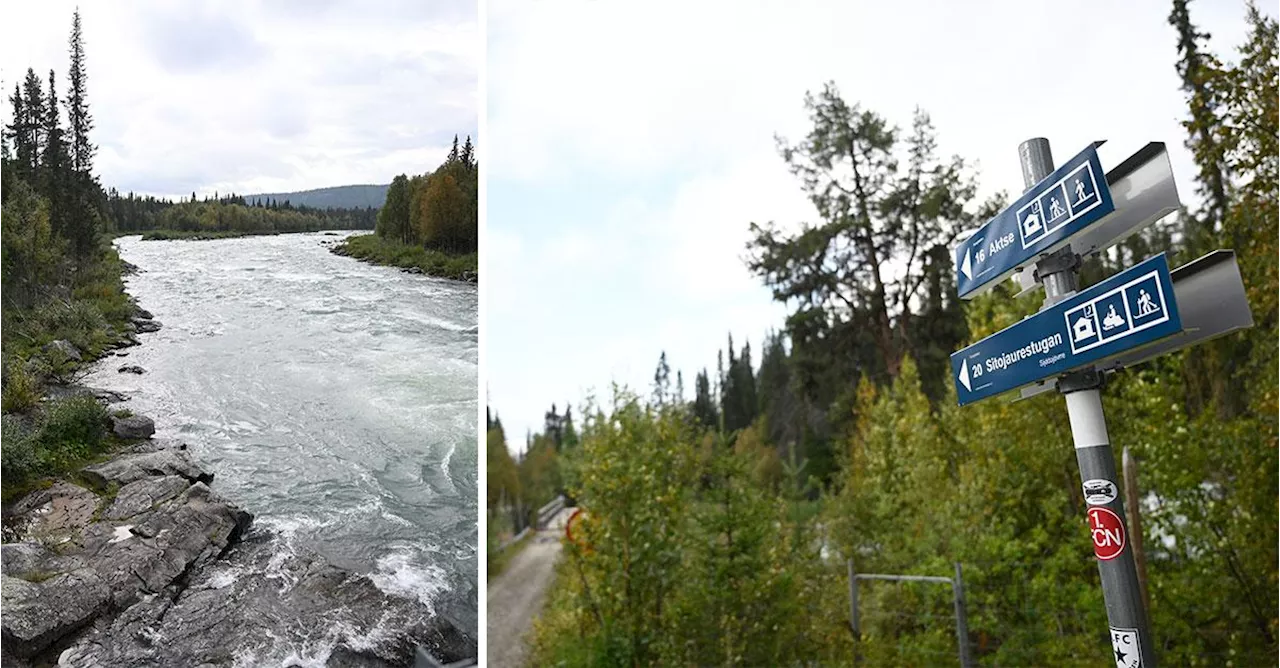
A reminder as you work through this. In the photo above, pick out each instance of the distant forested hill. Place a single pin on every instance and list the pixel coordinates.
(337, 197)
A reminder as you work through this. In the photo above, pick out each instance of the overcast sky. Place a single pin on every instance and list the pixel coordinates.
(254, 97)
(632, 144)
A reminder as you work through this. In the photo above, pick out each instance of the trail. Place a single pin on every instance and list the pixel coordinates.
(517, 594)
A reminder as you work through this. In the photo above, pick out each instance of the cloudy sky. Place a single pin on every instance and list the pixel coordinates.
(254, 97)
(631, 143)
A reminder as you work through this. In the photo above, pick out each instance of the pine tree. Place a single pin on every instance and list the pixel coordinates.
(662, 381)
(453, 152)
(468, 154)
(54, 161)
(1197, 69)
(79, 121)
(33, 107)
(16, 132)
(704, 406)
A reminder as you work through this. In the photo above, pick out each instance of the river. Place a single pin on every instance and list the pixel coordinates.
(334, 400)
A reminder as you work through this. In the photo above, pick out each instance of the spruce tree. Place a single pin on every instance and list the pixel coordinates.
(662, 381)
(33, 107)
(468, 154)
(79, 121)
(52, 181)
(16, 132)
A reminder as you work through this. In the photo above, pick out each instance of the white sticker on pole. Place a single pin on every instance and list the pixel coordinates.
(1124, 644)
(1099, 492)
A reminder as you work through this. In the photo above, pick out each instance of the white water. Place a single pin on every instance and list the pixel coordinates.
(334, 400)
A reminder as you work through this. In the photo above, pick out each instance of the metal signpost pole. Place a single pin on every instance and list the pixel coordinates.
(962, 620)
(1130, 631)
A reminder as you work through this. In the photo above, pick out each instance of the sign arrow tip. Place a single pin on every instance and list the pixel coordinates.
(964, 375)
(967, 266)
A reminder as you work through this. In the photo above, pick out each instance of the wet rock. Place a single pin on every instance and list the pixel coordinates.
(131, 468)
(163, 544)
(154, 445)
(143, 314)
(108, 396)
(145, 326)
(64, 348)
(239, 606)
(128, 268)
(143, 495)
(122, 353)
(133, 427)
(132, 368)
(104, 397)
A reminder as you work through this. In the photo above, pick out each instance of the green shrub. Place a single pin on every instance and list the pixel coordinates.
(75, 424)
(19, 458)
(21, 390)
(99, 285)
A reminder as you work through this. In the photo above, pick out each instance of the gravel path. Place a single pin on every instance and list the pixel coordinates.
(516, 595)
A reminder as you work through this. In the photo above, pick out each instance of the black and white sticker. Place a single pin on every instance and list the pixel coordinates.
(1124, 643)
(1099, 492)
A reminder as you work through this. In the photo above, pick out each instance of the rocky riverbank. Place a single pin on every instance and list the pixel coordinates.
(136, 561)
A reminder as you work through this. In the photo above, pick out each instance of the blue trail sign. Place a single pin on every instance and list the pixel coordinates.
(1073, 197)
(1128, 310)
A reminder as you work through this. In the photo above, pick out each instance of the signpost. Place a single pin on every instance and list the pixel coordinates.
(1041, 221)
(1128, 310)
(1131, 317)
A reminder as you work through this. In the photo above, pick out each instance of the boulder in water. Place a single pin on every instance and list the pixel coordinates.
(133, 427)
(132, 368)
(145, 326)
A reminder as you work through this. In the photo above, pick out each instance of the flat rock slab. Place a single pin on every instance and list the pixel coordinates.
(131, 468)
(235, 610)
(143, 495)
(55, 515)
(34, 562)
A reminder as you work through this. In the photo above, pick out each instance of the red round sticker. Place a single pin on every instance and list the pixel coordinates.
(1108, 533)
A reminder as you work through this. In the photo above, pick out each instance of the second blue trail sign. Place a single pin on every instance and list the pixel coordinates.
(1128, 310)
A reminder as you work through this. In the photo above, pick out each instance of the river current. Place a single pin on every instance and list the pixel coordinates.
(334, 400)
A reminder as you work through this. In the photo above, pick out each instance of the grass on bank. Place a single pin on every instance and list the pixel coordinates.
(53, 439)
(376, 249)
(46, 438)
(498, 561)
